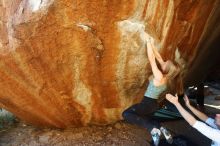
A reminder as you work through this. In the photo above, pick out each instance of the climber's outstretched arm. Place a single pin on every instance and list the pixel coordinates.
(151, 56)
(157, 55)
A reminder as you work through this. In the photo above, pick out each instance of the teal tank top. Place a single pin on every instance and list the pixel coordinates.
(154, 91)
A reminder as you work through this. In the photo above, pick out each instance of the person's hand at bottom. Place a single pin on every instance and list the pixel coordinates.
(172, 99)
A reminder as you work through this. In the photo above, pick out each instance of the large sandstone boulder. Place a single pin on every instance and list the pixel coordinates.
(78, 62)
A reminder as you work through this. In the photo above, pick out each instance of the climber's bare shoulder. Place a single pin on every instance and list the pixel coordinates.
(160, 82)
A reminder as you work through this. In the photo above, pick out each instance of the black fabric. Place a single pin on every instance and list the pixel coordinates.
(141, 114)
(200, 94)
(197, 94)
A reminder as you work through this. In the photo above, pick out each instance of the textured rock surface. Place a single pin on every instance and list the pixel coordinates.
(74, 62)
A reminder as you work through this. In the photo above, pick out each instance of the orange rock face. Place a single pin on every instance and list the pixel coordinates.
(79, 62)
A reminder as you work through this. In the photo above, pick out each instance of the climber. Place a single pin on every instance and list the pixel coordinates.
(212, 131)
(141, 113)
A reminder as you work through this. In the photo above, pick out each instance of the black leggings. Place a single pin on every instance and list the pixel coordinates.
(141, 114)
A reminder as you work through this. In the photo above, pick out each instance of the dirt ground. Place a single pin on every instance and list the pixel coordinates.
(117, 134)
